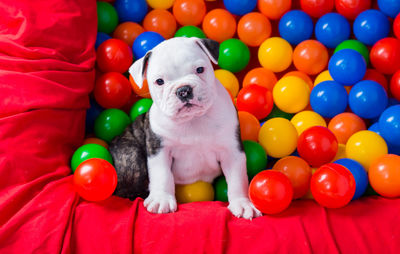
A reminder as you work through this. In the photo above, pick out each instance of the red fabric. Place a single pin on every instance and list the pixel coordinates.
(46, 73)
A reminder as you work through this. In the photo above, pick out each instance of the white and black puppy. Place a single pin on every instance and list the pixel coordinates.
(190, 133)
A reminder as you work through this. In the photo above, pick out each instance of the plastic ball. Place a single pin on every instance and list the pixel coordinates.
(219, 25)
(256, 158)
(291, 94)
(389, 124)
(160, 21)
(332, 29)
(228, 80)
(317, 8)
(328, 98)
(190, 31)
(323, 76)
(396, 26)
(256, 100)
(195, 192)
(140, 107)
(140, 91)
(332, 186)
(374, 75)
(274, 9)
(355, 45)
(344, 125)
(221, 189)
(275, 54)
(395, 85)
(341, 153)
(351, 8)
(95, 179)
(189, 12)
(234, 55)
(370, 26)
(359, 173)
(100, 38)
(271, 192)
(114, 55)
(254, 28)
(368, 99)
(107, 17)
(111, 123)
(365, 147)
(240, 7)
(260, 76)
(91, 114)
(385, 55)
(384, 175)
(317, 145)
(95, 141)
(347, 66)
(112, 90)
(128, 32)
(390, 8)
(145, 42)
(306, 119)
(310, 57)
(89, 151)
(249, 126)
(278, 137)
(160, 4)
(301, 75)
(296, 26)
(276, 112)
(131, 10)
(298, 172)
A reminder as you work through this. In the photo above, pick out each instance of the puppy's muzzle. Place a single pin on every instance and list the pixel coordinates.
(184, 93)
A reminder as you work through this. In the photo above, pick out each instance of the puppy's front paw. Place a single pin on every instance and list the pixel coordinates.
(160, 203)
(242, 207)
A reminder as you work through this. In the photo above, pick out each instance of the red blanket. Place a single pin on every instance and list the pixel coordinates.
(46, 73)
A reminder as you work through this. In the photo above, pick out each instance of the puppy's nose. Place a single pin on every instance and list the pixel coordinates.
(184, 93)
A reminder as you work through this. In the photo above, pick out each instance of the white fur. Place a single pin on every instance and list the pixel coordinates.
(197, 141)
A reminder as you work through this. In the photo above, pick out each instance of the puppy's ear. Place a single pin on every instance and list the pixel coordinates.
(138, 69)
(210, 47)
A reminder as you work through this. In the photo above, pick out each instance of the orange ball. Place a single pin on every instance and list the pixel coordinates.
(142, 92)
(344, 125)
(95, 141)
(219, 25)
(301, 75)
(253, 29)
(299, 173)
(310, 57)
(249, 126)
(274, 9)
(384, 175)
(260, 76)
(160, 21)
(127, 32)
(189, 12)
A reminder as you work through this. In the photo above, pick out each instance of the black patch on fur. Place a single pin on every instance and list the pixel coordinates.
(145, 62)
(212, 47)
(239, 139)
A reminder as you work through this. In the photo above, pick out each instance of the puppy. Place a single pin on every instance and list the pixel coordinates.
(190, 133)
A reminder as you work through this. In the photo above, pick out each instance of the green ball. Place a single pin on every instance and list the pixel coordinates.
(256, 158)
(276, 112)
(221, 189)
(111, 123)
(140, 107)
(89, 151)
(234, 55)
(107, 17)
(355, 45)
(190, 31)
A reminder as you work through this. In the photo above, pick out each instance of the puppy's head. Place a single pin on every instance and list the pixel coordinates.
(180, 76)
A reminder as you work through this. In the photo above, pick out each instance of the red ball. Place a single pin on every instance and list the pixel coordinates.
(374, 75)
(396, 26)
(385, 55)
(112, 90)
(256, 100)
(114, 55)
(332, 185)
(270, 191)
(395, 85)
(317, 8)
(95, 179)
(317, 145)
(351, 8)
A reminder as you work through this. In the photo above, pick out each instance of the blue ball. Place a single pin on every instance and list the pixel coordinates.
(368, 99)
(131, 10)
(296, 26)
(240, 7)
(389, 123)
(328, 98)
(375, 128)
(347, 67)
(91, 114)
(389, 7)
(145, 42)
(370, 26)
(332, 29)
(359, 173)
(393, 149)
(100, 38)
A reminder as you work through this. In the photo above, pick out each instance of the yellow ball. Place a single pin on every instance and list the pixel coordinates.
(365, 147)
(228, 80)
(291, 94)
(341, 153)
(275, 54)
(160, 4)
(278, 137)
(309, 194)
(306, 119)
(323, 76)
(195, 192)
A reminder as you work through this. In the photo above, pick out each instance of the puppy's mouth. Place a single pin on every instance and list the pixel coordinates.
(187, 106)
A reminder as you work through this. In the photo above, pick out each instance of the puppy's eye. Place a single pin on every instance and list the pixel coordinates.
(200, 70)
(160, 82)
